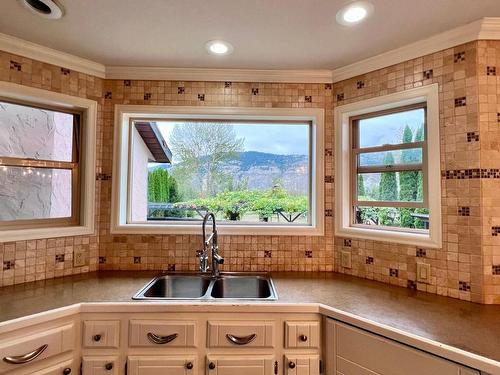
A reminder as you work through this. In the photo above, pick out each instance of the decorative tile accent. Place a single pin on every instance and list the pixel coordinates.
(464, 174)
(472, 136)
(495, 269)
(347, 242)
(227, 84)
(328, 86)
(127, 82)
(102, 260)
(393, 272)
(464, 211)
(498, 117)
(14, 65)
(464, 286)
(328, 151)
(427, 74)
(65, 71)
(340, 97)
(421, 253)
(180, 90)
(459, 57)
(137, 260)
(171, 267)
(360, 84)
(308, 99)
(329, 179)
(369, 260)
(308, 253)
(60, 258)
(255, 91)
(328, 212)
(103, 177)
(147, 96)
(491, 71)
(410, 284)
(495, 231)
(201, 97)
(8, 265)
(461, 102)
(108, 95)
(268, 254)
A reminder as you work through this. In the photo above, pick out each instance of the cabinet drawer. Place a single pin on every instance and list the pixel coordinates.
(241, 334)
(100, 365)
(35, 348)
(101, 333)
(345, 367)
(301, 365)
(240, 365)
(154, 333)
(302, 334)
(174, 365)
(63, 368)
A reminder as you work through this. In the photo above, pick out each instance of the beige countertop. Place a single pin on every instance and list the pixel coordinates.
(467, 326)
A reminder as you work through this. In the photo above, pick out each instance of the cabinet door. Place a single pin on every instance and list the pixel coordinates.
(240, 365)
(100, 365)
(174, 365)
(302, 365)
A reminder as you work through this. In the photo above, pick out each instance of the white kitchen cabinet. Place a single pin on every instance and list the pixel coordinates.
(240, 365)
(161, 365)
(301, 365)
(105, 365)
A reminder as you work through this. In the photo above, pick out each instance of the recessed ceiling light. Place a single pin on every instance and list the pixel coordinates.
(354, 13)
(45, 8)
(219, 47)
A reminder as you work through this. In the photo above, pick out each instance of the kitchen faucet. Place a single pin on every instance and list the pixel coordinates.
(214, 249)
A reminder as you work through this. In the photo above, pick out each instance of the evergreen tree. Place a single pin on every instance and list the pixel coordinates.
(361, 186)
(388, 183)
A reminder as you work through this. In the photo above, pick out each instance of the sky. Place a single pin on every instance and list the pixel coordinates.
(282, 139)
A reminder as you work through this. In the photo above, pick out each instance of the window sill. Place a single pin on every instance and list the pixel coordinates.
(41, 233)
(222, 229)
(381, 235)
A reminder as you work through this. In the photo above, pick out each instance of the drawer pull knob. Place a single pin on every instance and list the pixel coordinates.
(67, 371)
(157, 339)
(25, 358)
(303, 338)
(189, 365)
(291, 364)
(108, 366)
(97, 337)
(211, 365)
(241, 340)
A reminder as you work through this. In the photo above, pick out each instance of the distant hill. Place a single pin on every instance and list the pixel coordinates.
(260, 169)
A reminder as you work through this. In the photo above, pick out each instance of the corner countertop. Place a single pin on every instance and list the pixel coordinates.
(467, 326)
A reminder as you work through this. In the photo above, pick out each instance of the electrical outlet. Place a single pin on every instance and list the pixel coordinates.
(79, 258)
(423, 273)
(345, 259)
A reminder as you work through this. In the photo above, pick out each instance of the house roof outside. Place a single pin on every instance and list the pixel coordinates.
(155, 142)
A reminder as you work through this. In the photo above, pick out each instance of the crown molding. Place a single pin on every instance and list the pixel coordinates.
(47, 55)
(232, 75)
(487, 28)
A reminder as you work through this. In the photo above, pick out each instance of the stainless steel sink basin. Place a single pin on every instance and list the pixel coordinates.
(243, 287)
(234, 286)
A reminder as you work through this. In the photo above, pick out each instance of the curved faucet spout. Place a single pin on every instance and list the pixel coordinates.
(214, 249)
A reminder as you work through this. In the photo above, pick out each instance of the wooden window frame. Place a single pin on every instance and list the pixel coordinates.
(355, 169)
(74, 166)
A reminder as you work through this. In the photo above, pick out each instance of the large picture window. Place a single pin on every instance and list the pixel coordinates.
(252, 170)
(39, 166)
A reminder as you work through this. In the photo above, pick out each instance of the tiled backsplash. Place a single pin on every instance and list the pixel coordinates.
(467, 265)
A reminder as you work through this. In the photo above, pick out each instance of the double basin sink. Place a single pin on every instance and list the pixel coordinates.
(198, 286)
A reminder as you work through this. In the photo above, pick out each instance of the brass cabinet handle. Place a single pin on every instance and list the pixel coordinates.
(291, 364)
(238, 340)
(189, 365)
(25, 358)
(211, 365)
(97, 338)
(157, 339)
(67, 371)
(303, 338)
(108, 366)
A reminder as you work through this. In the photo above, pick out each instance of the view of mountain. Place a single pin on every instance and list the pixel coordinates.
(260, 170)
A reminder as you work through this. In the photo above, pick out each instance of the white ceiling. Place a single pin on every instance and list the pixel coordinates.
(266, 34)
